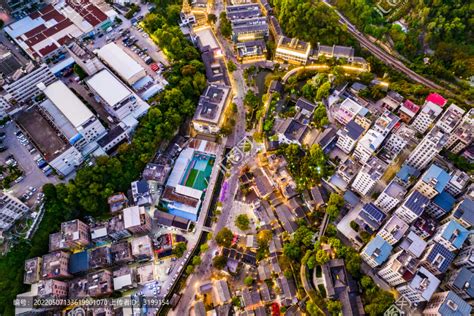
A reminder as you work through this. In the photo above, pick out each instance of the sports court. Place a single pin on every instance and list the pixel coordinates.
(198, 171)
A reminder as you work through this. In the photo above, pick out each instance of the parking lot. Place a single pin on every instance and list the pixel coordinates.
(33, 177)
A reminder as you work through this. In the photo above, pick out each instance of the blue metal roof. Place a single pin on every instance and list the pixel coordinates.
(441, 176)
(79, 262)
(465, 211)
(439, 249)
(416, 202)
(455, 233)
(445, 201)
(465, 281)
(406, 172)
(462, 307)
(380, 247)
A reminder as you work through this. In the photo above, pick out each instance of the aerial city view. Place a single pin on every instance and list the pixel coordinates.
(236, 157)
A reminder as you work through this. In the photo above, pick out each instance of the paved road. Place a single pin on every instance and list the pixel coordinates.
(383, 55)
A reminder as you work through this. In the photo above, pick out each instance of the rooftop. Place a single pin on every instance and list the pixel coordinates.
(465, 211)
(436, 177)
(121, 251)
(100, 257)
(117, 202)
(378, 249)
(354, 130)
(77, 288)
(414, 244)
(100, 283)
(293, 46)
(109, 88)
(425, 283)
(120, 61)
(406, 172)
(453, 305)
(211, 104)
(464, 280)
(396, 227)
(445, 201)
(436, 99)
(304, 104)
(375, 168)
(145, 273)
(455, 233)
(68, 103)
(409, 108)
(440, 257)
(142, 247)
(32, 270)
(416, 202)
(243, 11)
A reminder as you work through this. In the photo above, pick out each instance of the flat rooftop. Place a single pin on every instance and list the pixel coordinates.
(42, 134)
(211, 104)
(120, 61)
(207, 38)
(68, 103)
(145, 273)
(108, 87)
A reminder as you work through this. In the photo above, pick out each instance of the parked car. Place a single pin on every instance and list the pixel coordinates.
(19, 179)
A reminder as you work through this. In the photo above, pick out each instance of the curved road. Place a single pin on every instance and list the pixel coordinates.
(383, 55)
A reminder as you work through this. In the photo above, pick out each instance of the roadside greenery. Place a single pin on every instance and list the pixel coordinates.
(224, 25)
(87, 193)
(224, 237)
(242, 222)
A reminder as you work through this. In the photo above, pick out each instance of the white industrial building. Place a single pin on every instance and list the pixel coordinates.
(118, 99)
(11, 209)
(67, 112)
(124, 65)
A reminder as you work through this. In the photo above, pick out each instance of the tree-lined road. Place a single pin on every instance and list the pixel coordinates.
(385, 57)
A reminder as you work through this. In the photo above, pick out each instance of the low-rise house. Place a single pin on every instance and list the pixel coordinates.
(252, 51)
(314, 198)
(437, 258)
(401, 267)
(77, 288)
(370, 218)
(121, 252)
(447, 303)
(288, 291)
(441, 205)
(286, 218)
(376, 252)
(425, 226)
(52, 289)
(413, 244)
(458, 182)
(136, 220)
(463, 213)
(99, 283)
(117, 202)
(142, 248)
(341, 287)
(263, 185)
(371, 172)
(170, 220)
(116, 228)
(460, 281)
(336, 51)
(305, 107)
(408, 111)
(413, 206)
(390, 197)
(141, 193)
(221, 292)
(249, 29)
(124, 278)
(433, 181)
(406, 176)
(79, 263)
(420, 288)
(32, 270)
(100, 257)
(452, 235)
(391, 101)
(292, 50)
(55, 265)
(156, 172)
(393, 230)
(349, 136)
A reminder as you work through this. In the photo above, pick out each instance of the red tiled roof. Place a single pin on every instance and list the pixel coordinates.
(88, 11)
(436, 99)
(411, 106)
(48, 49)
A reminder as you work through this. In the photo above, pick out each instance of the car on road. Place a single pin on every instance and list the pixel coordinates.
(19, 179)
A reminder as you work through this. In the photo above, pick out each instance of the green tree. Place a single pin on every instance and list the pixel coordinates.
(334, 307)
(196, 260)
(189, 269)
(224, 237)
(211, 18)
(224, 25)
(179, 249)
(248, 280)
(312, 308)
(203, 248)
(321, 257)
(219, 262)
(242, 222)
(231, 66)
(323, 91)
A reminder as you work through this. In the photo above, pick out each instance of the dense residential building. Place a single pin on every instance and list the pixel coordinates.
(52, 289)
(460, 281)
(431, 110)
(11, 210)
(452, 235)
(348, 136)
(465, 258)
(349, 110)
(369, 175)
(292, 50)
(348, 170)
(462, 135)
(55, 265)
(32, 270)
(399, 139)
(393, 230)
(413, 244)
(99, 283)
(88, 61)
(136, 220)
(458, 182)
(116, 228)
(425, 226)
(75, 233)
(441, 205)
(408, 111)
(406, 176)
(428, 148)
(141, 194)
(420, 288)
(450, 118)
(463, 213)
(376, 252)
(447, 304)
(209, 115)
(390, 197)
(400, 268)
(370, 218)
(22, 87)
(433, 181)
(437, 258)
(413, 206)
